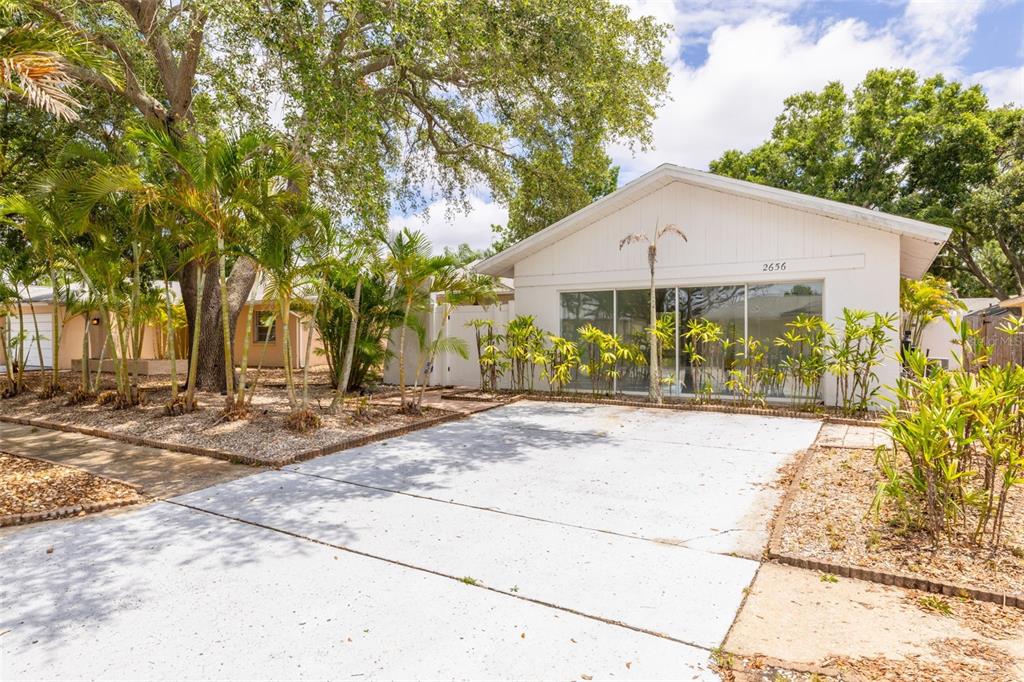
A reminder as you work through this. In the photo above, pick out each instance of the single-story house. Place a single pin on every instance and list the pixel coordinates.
(266, 341)
(754, 258)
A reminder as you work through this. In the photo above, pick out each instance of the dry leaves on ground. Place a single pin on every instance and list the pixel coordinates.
(954, 660)
(830, 520)
(29, 486)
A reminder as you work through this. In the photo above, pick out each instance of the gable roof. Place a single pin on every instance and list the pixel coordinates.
(920, 242)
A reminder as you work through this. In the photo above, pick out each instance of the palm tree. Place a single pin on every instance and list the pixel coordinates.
(41, 215)
(218, 182)
(37, 61)
(407, 257)
(454, 285)
(654, 389)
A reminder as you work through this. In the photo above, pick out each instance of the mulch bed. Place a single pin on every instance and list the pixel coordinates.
(261, 438)
(829, 519)
(35, 489)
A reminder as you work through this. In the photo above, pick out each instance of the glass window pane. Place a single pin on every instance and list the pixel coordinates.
(634, 317)
(704, 364)
(580, 308)
(585, 307)
(770, 308)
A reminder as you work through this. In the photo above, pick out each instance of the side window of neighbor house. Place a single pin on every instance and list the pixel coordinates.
(266, 327)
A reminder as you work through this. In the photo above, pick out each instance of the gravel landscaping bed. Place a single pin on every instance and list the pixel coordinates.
(30, 486)
(830, 520)
(261, 436)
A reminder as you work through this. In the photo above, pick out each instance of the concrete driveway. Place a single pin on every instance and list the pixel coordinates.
(537, 540)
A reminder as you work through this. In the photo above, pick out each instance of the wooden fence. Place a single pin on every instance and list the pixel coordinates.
(1006, 348)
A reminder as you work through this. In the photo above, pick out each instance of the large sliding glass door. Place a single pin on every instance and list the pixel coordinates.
(632, 318)
(770, 307)
(737, 312)
(704, 365)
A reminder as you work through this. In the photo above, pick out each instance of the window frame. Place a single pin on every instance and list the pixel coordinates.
(260, 329)
(676, 388)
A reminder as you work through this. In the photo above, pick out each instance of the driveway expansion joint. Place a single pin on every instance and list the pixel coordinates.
(441, 574)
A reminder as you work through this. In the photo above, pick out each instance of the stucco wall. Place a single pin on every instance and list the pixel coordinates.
(272, 353)
(730, 240)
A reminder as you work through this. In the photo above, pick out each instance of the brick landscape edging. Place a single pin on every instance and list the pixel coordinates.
(246, 459)
(679, 406)
(874, 575)
(62, 512)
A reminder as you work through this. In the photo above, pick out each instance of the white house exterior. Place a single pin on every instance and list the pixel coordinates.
(755, 256)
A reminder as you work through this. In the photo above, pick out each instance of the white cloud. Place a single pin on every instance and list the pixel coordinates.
(940, 29)
(1003, 86)
(757, 57)
(450, 224)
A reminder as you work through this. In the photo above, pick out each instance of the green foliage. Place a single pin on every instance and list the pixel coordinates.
(704, 345)
(930, 149)
(550, 188)
(601, 355)
(389, 96)
(493, 362)
(958, 449)
(753, 377)
(925, 300)
(379, 312)
(559, 362)
(805, 361)
(854, 355)
(524, 344)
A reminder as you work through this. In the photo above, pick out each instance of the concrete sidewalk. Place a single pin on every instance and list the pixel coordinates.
(161, 473)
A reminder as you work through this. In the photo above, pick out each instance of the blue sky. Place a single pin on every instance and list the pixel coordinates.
(732, 63)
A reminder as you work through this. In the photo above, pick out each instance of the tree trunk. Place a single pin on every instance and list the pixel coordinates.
(309, 356)
(56, 322)
(654, 371)
(227, 324)
(350, 347)
(401, 352)
(86, 352)
(209, 358)
(171, 341)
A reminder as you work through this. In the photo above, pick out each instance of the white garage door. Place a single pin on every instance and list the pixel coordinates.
(31, 348)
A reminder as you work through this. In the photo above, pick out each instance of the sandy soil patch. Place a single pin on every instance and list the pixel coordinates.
(830, 520)
(857, 630)
(262, 435)
(29, 486)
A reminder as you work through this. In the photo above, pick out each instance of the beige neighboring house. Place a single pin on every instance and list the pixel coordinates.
(266, 342)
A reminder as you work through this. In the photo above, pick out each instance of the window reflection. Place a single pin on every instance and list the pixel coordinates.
(726, 314)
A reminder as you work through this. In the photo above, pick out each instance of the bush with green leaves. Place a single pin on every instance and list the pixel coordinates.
(753, 378)
(957, 449)
(524, 341)
(855, 354)
(489, 354)
(923, 301)
(804, 363)
(601, 356)
(702, 342)
(558, 362)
